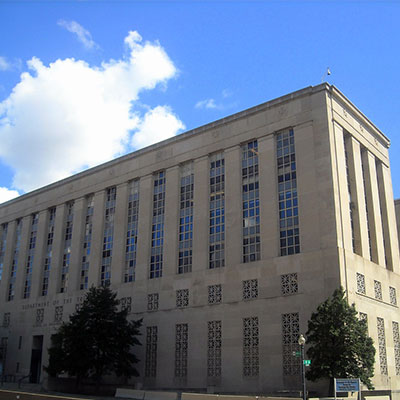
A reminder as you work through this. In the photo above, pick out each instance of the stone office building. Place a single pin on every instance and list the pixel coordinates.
(224, 239)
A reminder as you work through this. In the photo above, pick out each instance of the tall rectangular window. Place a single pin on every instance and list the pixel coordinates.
(87, 243)
(132, 231)
(67, 247)
(346, 156)
(157, 228)
(290, 337)
(287, 192)
(186, 219)
(14, 265)
(214, 362)
(250, 347)
(151, 351)
(108, 236)
(49, 251)
(181, 350)
(367, 205)
(250, 202)
(30, 256)
(217, 211)
(3, 242)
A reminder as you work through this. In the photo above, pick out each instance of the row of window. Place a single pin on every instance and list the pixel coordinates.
(288, 217)
(361, 288)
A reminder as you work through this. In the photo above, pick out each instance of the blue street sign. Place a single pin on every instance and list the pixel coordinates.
(347, 385)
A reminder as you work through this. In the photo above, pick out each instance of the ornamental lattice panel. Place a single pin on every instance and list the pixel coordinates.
(290, 337)
(214, 294)
(151, 351)
(360, 283)
(181, 350)
(250, 289)
(250, 346)
(396, 342)
(289, 284)
(382, 346)
(214, 349)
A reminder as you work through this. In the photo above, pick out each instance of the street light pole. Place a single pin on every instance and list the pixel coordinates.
(302, 342)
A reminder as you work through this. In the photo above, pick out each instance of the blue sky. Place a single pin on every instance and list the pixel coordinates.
(82, 82)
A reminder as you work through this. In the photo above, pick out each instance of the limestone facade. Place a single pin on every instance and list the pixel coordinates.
(223, 239)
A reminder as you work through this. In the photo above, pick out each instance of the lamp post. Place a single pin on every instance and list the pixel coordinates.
(302, 341)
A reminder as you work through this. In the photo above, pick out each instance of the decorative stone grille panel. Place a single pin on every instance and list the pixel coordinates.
(126, 303)
(392, 296)
(290, 345)
(214, 363)
(181, 350)
(214, 294)
(361, 283)
(382, 346)
(289, 284)
(6, 319)
(182, 298)
(250, 289)
(378, 290)
(152, 302)
(58, 314)
(251, 362)
(151, 351)
(39, 316)
(396, 342)
(364, 317)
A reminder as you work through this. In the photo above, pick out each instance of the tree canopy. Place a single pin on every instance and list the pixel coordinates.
(339, 343)
(97, 340)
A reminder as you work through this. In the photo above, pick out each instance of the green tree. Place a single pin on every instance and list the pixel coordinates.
(97, 340)
(339, 343)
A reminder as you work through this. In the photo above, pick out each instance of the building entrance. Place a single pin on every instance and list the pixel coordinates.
(36, 359)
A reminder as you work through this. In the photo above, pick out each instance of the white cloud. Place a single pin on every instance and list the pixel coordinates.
(4, 64)
(227, 93)
(158, 124)
(6, 194)
(81, 33)
(67, 116)
(212, 104)
(207, 103)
